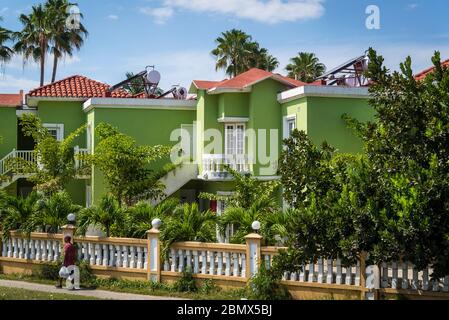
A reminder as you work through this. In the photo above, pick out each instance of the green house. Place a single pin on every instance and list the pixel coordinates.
(240, 122)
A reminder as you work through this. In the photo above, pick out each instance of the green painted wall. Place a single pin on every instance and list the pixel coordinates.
(8, 130)
(265, 112)
(233, 105)
(325, 123)
(70, 114)
(297, 108)
(146, 126)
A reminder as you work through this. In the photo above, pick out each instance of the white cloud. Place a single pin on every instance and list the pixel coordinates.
(11, 84)
(265, 11)
(160, 15)
(112, 17)
(412, 6)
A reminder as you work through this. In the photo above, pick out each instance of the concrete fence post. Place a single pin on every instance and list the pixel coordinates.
(253, 254)
(154, 252)
(68, 230)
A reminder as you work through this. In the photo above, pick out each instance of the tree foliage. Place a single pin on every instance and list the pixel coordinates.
(55, 166)
(126, 165)
(305, 67)
(392, 202)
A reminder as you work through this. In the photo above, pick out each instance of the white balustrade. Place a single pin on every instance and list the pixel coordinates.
(214, 164)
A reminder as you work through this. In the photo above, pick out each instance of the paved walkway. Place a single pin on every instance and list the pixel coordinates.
(99, 294)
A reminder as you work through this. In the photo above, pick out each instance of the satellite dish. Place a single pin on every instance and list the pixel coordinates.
(153, 77)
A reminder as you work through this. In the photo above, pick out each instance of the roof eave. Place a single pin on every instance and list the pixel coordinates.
(32, 101)
(323, 91)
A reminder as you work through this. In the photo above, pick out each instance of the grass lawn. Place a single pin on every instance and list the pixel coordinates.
(141, 287)
(23, 294)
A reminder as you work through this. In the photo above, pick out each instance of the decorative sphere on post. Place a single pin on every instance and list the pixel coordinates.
(156, 223)
(255, 225)
(71, 218)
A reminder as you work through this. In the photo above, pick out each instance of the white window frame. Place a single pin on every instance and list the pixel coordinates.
(234, 125)
(59, 127)
(89, 137)
(287, 120)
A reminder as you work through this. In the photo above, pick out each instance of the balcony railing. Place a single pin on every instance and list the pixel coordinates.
(8, 163)
(214, 165)
(80, 161)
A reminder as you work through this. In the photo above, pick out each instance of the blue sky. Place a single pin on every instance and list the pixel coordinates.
(178, 35)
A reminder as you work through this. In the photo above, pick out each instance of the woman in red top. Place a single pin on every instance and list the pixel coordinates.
(69, 256)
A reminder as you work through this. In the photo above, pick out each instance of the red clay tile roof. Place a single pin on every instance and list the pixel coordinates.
(423, 74)
(246, 79)
(11, 100)
(77, 87)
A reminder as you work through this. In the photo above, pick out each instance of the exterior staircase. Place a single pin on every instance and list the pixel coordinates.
(13, 170)
(177, 178)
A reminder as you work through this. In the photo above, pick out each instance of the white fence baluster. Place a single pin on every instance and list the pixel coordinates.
(384, 283)
(15, 252)
(415, 283)
(50, 250)
(111, 255)
(132, 261)
(32, 250)
(26, 249)
(44, 250)
(211, 262)
(203, 262)
(435, 285)
(267, 262)
(339, 277)
(235, 272)
(293, 276)
(425, 279)
(92, 252)
(320, 270)
(118, 260)
(105, 255)
(302, 273)
(219, 263)
(145, 258)
(228, 264)
(196, 267)
(357, 274)
(139, 258)
(189, 260)
(173, 260)
(330, 271)
(125, 257)
(348, 277)
(404, 284)
(98, 255)
(394, 278)
(20, 248)
(311, 272)
(37, 245)
(243, 273)
(181, 260)
(446, 284)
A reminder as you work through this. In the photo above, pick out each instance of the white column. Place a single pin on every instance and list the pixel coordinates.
(173, 260)
(26, 249)
(339, 277)
(330, 271)
(118, 261)
(37, 244)
(236, 265)
(111, 255)
(91, 253)
(44, 250)
(98, 254)
(57, 251)
(50, 250)
(9, 254)
(311, 272)
(181, 261)
(20, 248)
(145, 258)
(219, 263)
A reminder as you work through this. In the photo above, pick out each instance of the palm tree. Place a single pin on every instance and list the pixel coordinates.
(63, 40)
(5, 51)
(139, 217)
(260, 58)
(108, 216)
(305, 67)
(188, 223)
(232, 51)
(34, 39)
(16, 212)
(52, 212)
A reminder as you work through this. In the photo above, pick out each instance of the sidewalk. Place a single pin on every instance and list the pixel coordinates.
(99, 294)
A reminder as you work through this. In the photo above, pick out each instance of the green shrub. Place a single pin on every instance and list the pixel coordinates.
(87, 278)
(186, 283)
(265, 286)
(49, 270)
(208, 286)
